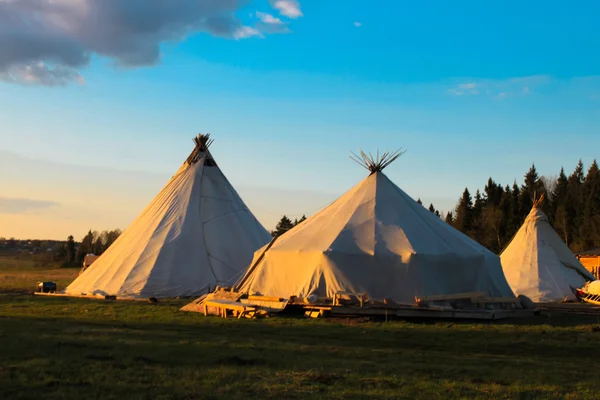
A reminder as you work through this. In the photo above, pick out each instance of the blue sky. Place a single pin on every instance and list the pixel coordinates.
(472, 89)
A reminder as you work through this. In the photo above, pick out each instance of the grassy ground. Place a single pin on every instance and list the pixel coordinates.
(62, 348)
(22, 274)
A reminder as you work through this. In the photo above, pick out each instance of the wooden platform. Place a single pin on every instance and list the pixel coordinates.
(317, 311)
(227, 307)
(590, 298)
(466, 306)
(570, 308)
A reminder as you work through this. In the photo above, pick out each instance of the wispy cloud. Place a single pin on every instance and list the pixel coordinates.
(357, 24)
(21, 206)
(518, 86)
(245, 32)
(288, 8)
(268, 18)
(270, 24)
(464, 88)
(49, 42)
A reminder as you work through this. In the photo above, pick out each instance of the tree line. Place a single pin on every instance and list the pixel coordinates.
(68, 253)
(93, 242)
(572, 204)
(285, 224)
(495, 214)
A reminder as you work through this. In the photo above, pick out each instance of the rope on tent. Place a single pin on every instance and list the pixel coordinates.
(377, 163)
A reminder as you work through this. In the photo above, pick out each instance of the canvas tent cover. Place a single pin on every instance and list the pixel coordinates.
(374, 239)
(195, 234)
(539, 265)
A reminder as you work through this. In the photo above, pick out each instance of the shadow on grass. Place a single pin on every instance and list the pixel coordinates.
(137, 350)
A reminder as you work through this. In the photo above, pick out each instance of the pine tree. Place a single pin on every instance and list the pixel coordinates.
(109, 237)
(70, 253)
(431, 208)
(492, 192)
(284, 225)
(449, 218)
(477, 230)
(464, 213)
(86, 247)
(574, 207)
(516, 219)
(559, 195)
(588, 230)
(419, 201)
(532, 188)
(98, 245)
(562, 223)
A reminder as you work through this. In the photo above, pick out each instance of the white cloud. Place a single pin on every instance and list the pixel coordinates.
(244, 32)
(288, 8)
(21, 205)
(48, 42)
(464, 88)
(268, 18)
(518, 86)
(357, 24)
(470, 85)
(41, 73)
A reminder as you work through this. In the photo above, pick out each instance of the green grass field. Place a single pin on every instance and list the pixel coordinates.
(22, 274)
(61, 348)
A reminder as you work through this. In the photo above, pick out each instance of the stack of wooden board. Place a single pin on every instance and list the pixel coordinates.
(474, 306)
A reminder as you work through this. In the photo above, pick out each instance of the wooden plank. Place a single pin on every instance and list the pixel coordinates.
(224, 295)
(265, 298)
(361, 297)
(360, 311)
(228, 305)
(319, 307)
(269, 306)
(447, 297)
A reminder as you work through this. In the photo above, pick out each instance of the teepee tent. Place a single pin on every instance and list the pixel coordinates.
(538, 264)
(195, 234)
(374, 239)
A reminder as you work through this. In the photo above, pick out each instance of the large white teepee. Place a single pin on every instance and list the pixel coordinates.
(539, 265)
(374, 239)
(196, 233)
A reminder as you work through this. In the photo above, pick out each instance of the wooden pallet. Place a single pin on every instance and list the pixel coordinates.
(590, 298)
(471, 300)
(238, 310)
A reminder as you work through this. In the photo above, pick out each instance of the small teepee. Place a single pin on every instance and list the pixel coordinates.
(374, 239)
(538, 264)
(195, 234)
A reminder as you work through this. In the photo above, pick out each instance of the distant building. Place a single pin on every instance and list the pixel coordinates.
(591, 261)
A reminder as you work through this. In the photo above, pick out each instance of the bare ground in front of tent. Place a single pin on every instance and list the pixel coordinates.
(64, 348)
(20, 273)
